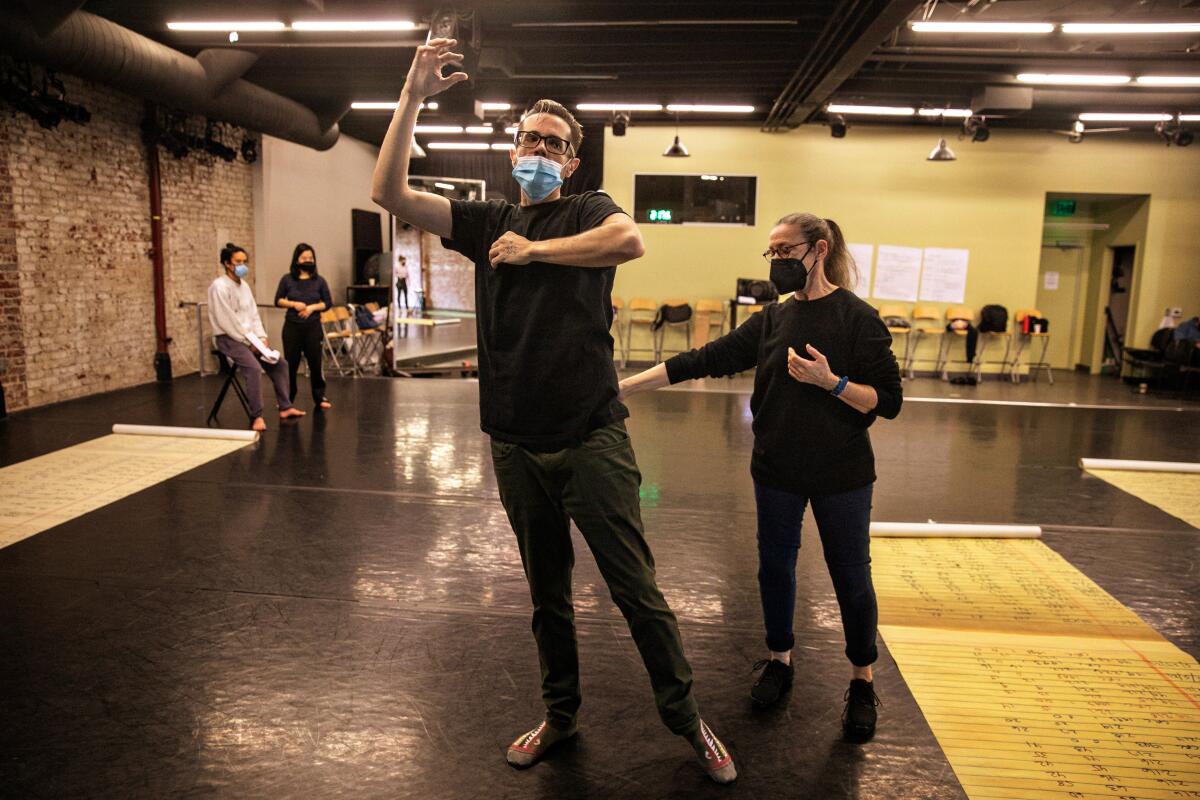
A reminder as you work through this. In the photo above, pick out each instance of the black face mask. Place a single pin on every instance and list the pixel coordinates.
(789, 274)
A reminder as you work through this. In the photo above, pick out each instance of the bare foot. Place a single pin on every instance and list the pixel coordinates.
(325, 404)
(259, 424)
(291, 412)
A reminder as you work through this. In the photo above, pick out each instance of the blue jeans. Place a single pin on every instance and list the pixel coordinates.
(843, 521)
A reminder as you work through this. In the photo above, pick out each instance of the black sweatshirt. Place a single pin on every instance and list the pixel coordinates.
(806, 441)
(546, 374)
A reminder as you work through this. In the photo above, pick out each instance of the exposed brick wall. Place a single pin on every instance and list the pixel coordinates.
(12, 338)
(449, 278)
(80, 224)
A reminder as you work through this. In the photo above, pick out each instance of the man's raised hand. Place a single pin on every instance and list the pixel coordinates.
(425, 76)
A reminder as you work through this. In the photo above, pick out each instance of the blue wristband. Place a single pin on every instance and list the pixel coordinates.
(841, 386)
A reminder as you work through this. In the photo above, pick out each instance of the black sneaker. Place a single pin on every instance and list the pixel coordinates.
(776, 679)
(858, 720)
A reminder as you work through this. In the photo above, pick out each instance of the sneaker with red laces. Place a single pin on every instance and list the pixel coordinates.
(530, 746)
(713, 755)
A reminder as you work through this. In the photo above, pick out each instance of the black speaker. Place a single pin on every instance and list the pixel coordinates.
(753, 291)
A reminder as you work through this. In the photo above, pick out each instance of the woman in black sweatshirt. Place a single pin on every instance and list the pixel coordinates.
(825, 372)
(305, 294)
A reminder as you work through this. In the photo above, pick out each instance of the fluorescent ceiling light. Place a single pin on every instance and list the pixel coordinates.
(1073, 80)
(894, 111)
(440, 129)
(479, 129)
(355, 25)
(457, 146)
(982, 27)
(385, 105)
(223, 27)
(708, 177)
(1131, 27)
(504, 146)
(449, 186)
(511, 130)
(1102, 116)
(1169, 80)
(618, 107)
(1189, 117)
(711, 109)
(945, 112)
(497, 106)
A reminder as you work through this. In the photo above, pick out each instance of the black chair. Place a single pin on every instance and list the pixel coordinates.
(229, 369)
(1147, 363)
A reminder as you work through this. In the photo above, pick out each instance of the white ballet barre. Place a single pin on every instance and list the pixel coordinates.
(1138, 466)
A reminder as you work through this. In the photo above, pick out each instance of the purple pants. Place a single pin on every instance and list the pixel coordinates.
(251, 366)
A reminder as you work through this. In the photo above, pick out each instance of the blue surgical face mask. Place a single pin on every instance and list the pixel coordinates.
(241, 270)
(538, 176)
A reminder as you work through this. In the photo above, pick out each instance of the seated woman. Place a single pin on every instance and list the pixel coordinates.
(305, 294)
(811, 416)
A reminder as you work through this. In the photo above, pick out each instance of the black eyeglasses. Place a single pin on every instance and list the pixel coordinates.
(530, 139)
(783, 252)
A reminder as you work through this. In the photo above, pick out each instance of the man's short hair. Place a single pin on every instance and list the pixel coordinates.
(560, 111)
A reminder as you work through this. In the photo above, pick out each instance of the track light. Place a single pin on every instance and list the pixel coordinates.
(976, 127)
(1173, 133)
(838, 126)
(249, 150)
(619, 124)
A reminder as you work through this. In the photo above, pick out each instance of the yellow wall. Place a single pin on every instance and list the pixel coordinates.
(878, 186)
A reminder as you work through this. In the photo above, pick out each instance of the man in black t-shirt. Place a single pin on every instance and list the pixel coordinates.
(548, 397)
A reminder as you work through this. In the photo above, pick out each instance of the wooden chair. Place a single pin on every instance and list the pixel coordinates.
(1028, 341)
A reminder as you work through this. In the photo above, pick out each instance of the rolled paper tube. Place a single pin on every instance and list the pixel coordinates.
(1138, 466)
(951, 530)
(195, 433)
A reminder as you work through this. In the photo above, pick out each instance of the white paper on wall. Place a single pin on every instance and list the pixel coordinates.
(897, 273)
(944, 275)
(863, 255)
(1050, 281)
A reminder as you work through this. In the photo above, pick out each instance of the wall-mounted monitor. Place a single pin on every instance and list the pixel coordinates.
(702, 199)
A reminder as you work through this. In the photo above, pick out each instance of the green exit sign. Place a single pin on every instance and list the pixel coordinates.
(659, 214)
(1062, 208)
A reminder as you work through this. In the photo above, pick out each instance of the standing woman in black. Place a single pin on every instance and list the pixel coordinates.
(825, 372)
(305, 294)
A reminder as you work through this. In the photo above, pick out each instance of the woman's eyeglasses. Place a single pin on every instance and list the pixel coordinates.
(781, 252)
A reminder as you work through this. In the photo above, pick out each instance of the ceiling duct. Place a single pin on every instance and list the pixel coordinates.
(98, 50)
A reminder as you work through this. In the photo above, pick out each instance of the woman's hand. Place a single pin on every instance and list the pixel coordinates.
(814, 371)
(624, 390)
(305, 311)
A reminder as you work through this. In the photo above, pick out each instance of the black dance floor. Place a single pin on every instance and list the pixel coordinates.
(340, 611)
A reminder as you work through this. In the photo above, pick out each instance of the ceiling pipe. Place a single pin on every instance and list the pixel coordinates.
(96, 49)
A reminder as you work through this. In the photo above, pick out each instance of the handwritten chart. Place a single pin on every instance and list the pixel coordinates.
(1177, 493)
(1036, 682)
(49, 490)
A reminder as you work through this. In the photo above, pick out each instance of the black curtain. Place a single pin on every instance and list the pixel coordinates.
(494, 167)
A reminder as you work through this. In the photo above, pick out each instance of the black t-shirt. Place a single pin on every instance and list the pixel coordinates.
(546, 374)
(309, 291)
(806, 441)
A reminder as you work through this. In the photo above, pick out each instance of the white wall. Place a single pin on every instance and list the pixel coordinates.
(306, 195)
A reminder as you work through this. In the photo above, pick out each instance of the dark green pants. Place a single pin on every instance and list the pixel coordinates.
(596, 485)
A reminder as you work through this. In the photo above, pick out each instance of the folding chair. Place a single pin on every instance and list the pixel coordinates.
(226, 365)
(684, 327)
(337, 339)
(618, 307)
(709, 314)
(641, 315)
(366, 343)
(927, 324)
(1026, 341)
(985, 340)
(892, 310)
(944, 360)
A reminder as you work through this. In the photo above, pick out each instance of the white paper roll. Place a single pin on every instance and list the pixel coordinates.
(197, 433)
(1138, 466)
(948, 530)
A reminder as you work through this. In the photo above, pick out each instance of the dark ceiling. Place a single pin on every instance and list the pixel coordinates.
(787, 59)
